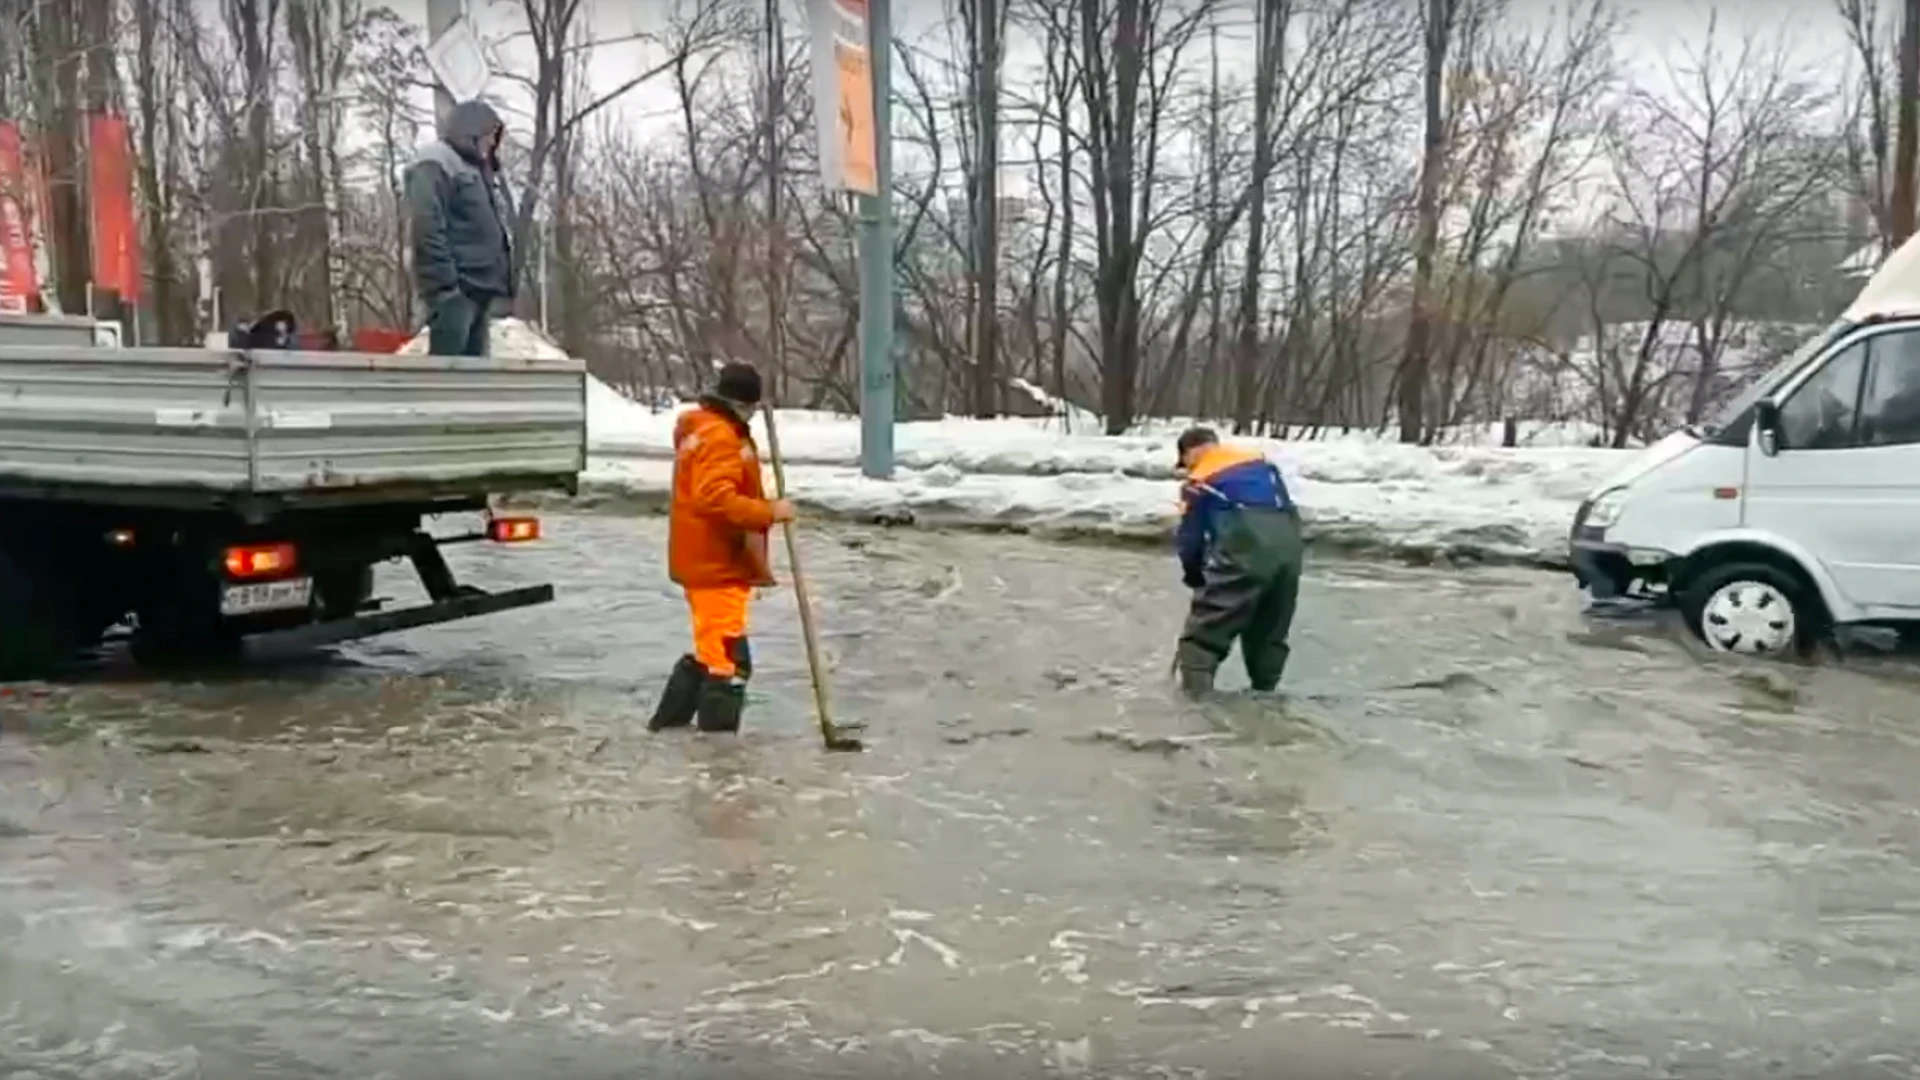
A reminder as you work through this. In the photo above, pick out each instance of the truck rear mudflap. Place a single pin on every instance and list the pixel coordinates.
(466, 605)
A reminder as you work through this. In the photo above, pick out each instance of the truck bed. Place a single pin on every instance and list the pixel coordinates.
(286, 426)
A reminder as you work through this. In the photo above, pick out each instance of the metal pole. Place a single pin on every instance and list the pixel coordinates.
(876, 260)
(441, 14)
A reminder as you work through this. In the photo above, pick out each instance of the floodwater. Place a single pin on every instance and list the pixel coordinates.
(1477, 838)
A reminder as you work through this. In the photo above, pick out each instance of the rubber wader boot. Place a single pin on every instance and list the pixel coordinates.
(1196, 682)
(681, 697)
(721, 700)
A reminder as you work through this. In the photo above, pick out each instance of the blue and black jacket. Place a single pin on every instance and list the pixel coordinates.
(1221, 480)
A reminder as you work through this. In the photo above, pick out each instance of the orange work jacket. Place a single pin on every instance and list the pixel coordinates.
(718, 521)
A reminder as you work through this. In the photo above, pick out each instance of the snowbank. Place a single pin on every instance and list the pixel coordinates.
(1358, 491)
(507, 337)
(1363, 493)
(618, 427)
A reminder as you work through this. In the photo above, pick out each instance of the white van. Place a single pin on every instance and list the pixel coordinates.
(1797, 507)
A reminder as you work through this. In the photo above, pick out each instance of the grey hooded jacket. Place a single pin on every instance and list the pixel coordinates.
(460, 208)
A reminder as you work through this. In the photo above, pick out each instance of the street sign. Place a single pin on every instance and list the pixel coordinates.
(458, 61)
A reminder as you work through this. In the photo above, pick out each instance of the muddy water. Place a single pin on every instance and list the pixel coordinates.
(1477, 838)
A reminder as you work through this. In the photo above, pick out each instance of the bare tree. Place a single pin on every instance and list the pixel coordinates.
(1271, 19)
(562, 45)
(1708, 187)
(1870, 154)
(321, 33)
(375, 285)
(1906, 154)
(984, 38)
(1440, 19)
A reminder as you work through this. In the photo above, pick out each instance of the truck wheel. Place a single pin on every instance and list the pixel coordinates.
(1754, 609)
(171, 646)
(39, 627)
(179, 630)
(342, 593)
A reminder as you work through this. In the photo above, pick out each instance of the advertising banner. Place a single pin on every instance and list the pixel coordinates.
(116, 228)
(843, 95)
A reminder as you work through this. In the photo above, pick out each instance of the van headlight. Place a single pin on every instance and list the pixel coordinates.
(1606, 509)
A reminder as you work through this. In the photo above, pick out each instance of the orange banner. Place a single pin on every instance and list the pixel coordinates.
(858, 170)
(843, 95)
(116, 229)
(19, 277)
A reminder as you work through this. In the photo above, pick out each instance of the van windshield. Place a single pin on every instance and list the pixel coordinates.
(1732, 412)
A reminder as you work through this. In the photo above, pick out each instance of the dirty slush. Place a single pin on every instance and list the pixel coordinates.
(1474, 839)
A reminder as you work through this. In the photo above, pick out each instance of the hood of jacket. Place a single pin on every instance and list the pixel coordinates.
(465, 129)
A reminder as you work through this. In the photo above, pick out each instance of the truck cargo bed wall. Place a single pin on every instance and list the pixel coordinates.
(284, 423)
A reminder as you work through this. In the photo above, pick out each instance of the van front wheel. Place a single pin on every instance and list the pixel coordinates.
(1753, 609)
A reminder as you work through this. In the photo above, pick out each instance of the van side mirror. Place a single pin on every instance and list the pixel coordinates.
(1766, 425)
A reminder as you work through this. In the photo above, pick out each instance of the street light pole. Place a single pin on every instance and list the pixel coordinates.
(441, 14)
(876, 260)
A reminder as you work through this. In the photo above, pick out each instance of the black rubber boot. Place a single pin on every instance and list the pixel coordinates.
(681, 698)
(721, 700)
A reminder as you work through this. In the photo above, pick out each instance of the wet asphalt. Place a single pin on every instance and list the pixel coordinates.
(1477, 836)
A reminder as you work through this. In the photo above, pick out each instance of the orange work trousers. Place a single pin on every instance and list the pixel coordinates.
(719, 624)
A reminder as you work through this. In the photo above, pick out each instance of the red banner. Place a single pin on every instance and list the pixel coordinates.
(116, 230)
(19, 279)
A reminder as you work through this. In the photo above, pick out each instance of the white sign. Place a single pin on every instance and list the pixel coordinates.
(458, 61)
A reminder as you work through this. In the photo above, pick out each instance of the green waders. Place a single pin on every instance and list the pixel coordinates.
(1252, 582)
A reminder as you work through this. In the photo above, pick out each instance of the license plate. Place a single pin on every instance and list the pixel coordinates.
(266, 596)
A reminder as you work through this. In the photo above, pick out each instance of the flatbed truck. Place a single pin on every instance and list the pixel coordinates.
(237, 500)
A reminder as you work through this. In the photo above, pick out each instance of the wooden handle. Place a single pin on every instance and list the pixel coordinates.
(808, 633)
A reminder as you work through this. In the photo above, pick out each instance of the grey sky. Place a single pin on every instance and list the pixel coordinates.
(1657, 36)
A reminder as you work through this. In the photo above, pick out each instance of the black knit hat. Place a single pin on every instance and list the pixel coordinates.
(739, 382)
(1191, 439)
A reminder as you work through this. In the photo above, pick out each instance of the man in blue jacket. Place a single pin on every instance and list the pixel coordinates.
(462, 237)
(1241, 552)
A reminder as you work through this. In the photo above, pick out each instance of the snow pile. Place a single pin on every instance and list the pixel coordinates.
(1012, 446)
(1365, 493)
(508, 338)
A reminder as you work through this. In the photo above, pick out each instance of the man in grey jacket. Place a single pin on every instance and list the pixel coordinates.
(462, 242)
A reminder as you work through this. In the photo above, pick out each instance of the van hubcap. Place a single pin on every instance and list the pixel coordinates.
(1748, 617)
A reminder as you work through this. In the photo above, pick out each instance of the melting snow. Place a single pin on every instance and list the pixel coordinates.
(1359, 491)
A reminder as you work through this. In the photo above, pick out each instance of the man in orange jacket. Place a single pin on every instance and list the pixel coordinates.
(717, 550)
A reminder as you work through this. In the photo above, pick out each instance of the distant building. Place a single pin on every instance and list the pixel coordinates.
(1862, 263)
(1014, 212)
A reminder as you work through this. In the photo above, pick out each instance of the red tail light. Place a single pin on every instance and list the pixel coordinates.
(513, 530)
(261, 560)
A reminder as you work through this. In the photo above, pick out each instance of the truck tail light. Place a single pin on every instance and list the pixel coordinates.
(513, 530)
(261, 560)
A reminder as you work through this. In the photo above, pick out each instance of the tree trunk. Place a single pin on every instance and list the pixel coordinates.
(986, 237)
(308, 31)
(1411, 391)
(59, 37)
(1900, 216)
(1063, 265)
(1113, 70)
(1215, 325)
(1269, 54)
(150, 172)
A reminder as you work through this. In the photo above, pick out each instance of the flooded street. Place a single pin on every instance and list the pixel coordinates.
(1477, 838)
